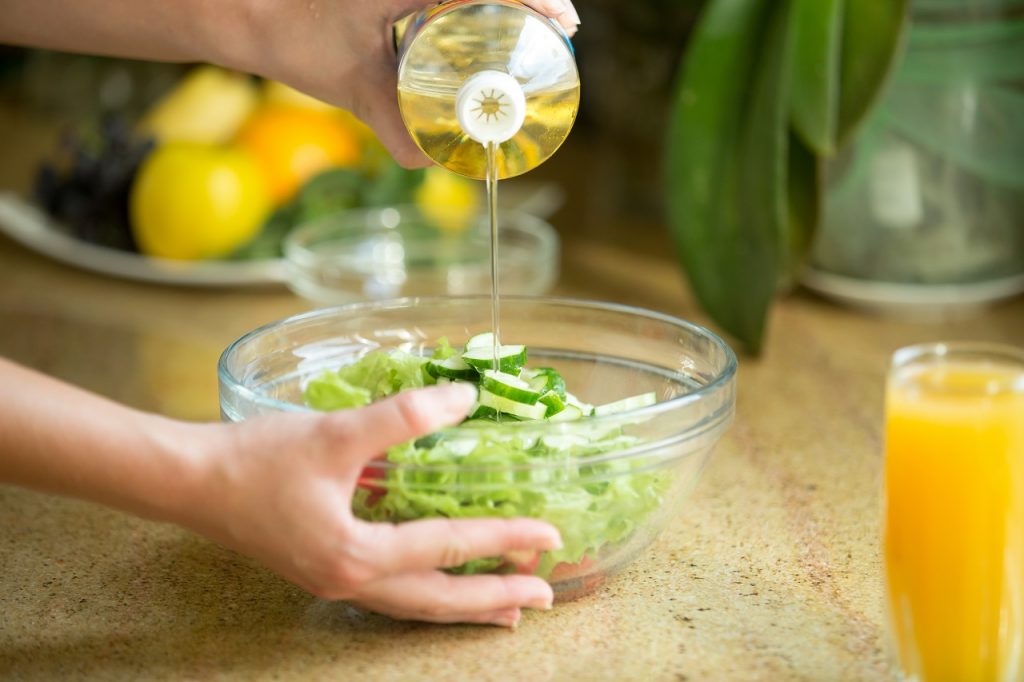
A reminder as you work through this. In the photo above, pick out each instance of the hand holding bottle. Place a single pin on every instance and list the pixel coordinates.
(342, 53)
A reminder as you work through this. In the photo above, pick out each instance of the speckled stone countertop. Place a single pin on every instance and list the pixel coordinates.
(772, 572)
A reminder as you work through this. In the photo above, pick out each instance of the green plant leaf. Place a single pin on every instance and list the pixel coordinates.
(816, 27)
(394, 185)
(745, 191)
(804, 204)
(872, 32)
(266, 244)
(727, 162)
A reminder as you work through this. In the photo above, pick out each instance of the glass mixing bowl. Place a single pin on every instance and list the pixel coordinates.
(608, 506)
(391, 252)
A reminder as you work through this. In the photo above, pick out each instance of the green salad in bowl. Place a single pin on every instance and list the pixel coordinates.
(599, 422)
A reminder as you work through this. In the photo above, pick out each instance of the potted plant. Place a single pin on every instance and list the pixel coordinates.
(924, 212)
(768, 90)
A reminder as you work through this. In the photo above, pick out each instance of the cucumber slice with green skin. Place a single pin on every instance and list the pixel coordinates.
(546, 379)
(480, 418)
(510, 358)
(568, 414)
(452, 368)
(428, 441)
(487, 415)
(634, 402)
(554, 403)
(586, 409)
(457, 446)
(485, 340)
(516, 409)
(509, 386)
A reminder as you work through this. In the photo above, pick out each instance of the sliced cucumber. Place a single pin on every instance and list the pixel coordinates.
(554, 403)
(485, 340)
(516, 409)
(568, 414)
(481, 416)
(460, 446)
(634, 402)
(452, 368)
(509, 386)
(586, 409)
(428, 441)
(545, 379)
(510, 358)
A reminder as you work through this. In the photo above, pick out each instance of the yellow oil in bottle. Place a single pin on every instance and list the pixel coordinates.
(432, 123)
(460, 40)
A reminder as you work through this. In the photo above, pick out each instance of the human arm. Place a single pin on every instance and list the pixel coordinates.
(276, 488)
(337, 50)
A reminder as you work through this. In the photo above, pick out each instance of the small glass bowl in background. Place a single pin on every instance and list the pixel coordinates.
(393, 252)
(604, 351)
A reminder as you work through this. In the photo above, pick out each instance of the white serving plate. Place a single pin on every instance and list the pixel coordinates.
(29, 226)
(917, 301)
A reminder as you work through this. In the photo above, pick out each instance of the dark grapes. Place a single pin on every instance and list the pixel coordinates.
(87, 187)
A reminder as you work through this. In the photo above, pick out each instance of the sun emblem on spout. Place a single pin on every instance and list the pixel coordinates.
(490, 105)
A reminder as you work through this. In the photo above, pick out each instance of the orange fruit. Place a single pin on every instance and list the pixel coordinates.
(278, 94)
(292, 144)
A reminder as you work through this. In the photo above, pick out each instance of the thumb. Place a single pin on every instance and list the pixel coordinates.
(408, 415)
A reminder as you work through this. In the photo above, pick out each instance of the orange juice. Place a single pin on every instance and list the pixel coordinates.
(954, 520)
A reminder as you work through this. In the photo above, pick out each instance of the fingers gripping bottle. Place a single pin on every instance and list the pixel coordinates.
(476, 72)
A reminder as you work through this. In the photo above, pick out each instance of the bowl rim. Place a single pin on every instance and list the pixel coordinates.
(718, 382)
(298, 252)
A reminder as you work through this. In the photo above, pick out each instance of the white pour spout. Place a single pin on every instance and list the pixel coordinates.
(491, 107)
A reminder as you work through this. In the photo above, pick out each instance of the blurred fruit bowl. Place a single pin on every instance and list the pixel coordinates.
(219, 171)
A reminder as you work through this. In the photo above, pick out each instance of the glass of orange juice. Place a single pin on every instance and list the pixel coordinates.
(954, 511)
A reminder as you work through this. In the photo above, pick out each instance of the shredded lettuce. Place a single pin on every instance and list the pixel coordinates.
(444, 350)
(471, 471)
(331, 392)
(376, 375)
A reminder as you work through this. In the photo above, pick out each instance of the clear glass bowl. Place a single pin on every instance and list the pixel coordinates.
(604, 351)
(384, 253)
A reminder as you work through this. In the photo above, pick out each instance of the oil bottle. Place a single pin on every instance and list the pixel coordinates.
(474, 73)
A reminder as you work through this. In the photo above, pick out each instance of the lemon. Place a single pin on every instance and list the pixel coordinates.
(208, 105)
(194, 201)
(448, 200)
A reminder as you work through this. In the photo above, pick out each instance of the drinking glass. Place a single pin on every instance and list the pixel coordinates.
(954, 511)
